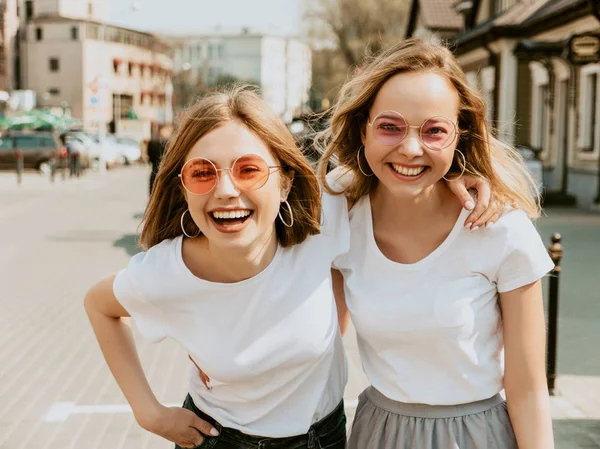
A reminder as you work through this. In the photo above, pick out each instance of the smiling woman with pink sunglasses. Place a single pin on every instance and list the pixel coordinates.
(237, 269)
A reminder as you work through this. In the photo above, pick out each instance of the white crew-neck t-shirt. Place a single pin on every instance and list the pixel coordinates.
(430, 332)
(270, 344)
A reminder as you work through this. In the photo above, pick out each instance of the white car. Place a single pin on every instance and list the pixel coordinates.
(128, 149)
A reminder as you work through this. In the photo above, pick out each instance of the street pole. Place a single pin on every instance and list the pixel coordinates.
(101, 102)
(556, 253)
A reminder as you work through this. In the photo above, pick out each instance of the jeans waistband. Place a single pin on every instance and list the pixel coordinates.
(320, 427)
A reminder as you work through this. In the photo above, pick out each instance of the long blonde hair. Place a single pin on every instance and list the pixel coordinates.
(167, 202)
(485, 155)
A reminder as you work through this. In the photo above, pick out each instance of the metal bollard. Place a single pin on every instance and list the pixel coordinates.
(556, 253)
(20, 163)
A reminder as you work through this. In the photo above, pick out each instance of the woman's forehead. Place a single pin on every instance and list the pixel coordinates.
(417, 96)
(224, 144)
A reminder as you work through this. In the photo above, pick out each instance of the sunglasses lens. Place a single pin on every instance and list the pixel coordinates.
(250, 172)
(438, 133)
(199, 176)
(389, 128)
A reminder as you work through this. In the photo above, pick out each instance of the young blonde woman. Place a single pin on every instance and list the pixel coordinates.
(445, 318)
(237, 269)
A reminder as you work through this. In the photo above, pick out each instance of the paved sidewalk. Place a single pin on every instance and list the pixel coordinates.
(55, 390)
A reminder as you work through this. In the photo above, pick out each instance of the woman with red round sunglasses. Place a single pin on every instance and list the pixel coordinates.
(239, 245)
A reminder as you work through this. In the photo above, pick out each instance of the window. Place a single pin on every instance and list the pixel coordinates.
(593, 110)
(6, 144)
(589, 123)
(74, 33)
(39, 34)
(130, 68)
(54, 91)
(29, 9)
(116, 65)
(214, 50)
(54, 65)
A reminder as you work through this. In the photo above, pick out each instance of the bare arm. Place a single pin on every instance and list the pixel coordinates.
(340, 300)
(525, 379)
(118, 347)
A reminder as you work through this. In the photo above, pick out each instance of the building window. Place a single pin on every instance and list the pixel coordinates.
(54, 65)
(214, 51)
(54, 91)
(39, 33)
(130, 68)
(116, 65)
(29, 9)
(589, 132)
(594, 110)
(74, 33)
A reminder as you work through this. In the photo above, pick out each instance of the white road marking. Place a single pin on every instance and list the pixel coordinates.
(61, 411)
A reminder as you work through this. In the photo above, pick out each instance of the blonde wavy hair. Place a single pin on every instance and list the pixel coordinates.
(167, 203)
(485, 155)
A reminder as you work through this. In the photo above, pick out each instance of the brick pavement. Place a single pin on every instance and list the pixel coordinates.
(55, 390)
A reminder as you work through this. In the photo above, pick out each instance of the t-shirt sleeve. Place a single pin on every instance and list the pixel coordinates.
(525, 258)
(335, 223)
(146, 315)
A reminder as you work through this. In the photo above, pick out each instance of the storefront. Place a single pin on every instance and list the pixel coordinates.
(536, 63)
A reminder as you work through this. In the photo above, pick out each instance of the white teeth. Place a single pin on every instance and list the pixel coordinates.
(407, 171)
(233, 214)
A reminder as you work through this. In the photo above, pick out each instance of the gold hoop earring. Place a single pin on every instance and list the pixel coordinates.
(183, 229)
(358, 163)
(289, 208)
(464, 166)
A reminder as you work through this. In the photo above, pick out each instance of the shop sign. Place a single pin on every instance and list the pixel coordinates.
(583, 49)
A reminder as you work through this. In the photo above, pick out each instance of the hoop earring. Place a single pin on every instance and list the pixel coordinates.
(289, 208)
(358, 163)
(464, 166)
(183, 229)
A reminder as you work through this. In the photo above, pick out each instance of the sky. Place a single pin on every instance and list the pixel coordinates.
(190, 16)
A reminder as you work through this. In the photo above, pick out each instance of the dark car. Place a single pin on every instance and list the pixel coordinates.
(38, 150)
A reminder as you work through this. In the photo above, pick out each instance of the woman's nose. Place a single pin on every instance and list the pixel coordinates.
(411, 145)
(225, 187)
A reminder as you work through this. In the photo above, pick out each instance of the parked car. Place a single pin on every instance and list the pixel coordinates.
(92, 143)
(129, 150)
(534, 164)
(38, 149)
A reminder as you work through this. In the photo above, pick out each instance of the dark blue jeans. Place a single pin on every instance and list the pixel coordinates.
(328, 433)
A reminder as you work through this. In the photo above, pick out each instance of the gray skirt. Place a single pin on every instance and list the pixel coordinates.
(381, 423)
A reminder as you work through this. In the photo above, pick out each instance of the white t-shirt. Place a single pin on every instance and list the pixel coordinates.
(270, 344)
(431, 332)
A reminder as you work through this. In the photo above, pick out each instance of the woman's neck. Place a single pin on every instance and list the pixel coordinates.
(414, 211)
(216, 263)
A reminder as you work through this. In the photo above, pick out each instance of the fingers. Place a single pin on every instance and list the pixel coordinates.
(204, 427)
(460, 190)
(484, 194)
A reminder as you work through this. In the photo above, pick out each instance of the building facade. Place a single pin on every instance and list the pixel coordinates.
(280, 66)
(536, 62)
(9, 27)
(104, 74)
